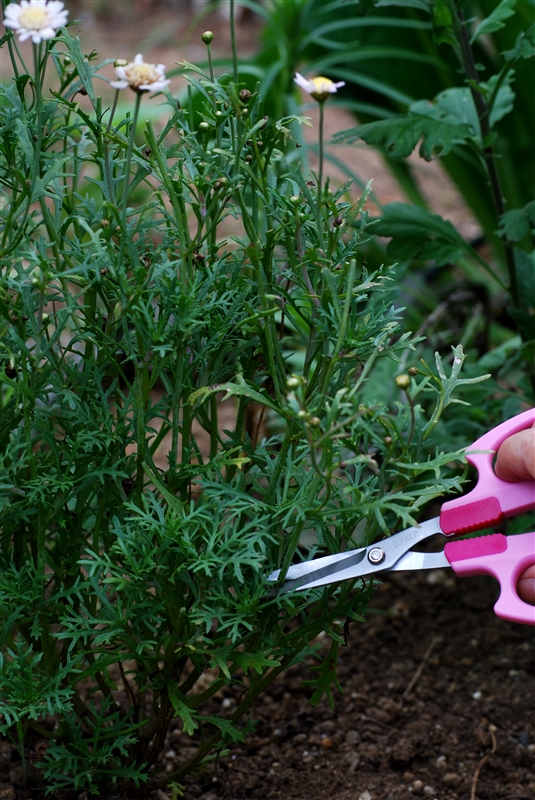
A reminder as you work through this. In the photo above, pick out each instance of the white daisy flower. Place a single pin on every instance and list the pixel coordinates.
(139, 76)
(35, 19)
(319, 88)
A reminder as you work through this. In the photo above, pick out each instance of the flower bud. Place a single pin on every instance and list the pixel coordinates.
(244, 95)
(314, 422)
(207, 37)
(293, 382)
(413, 371)
(45, 319)
(204, 127)
(388, 440)
(337, 221)
(120, 62)
(403, 381)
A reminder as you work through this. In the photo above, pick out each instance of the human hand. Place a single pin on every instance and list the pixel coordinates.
(516, 462)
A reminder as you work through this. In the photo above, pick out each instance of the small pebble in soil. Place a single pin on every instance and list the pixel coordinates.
(352, 737)
(365, 795)
(417, 787)
(477, 695)
(429, 791)
(441, 762)
(451, 779)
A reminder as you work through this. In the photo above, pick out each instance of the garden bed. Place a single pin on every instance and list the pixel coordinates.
(432, 683)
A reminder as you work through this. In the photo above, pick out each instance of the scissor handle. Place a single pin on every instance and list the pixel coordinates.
(503, 557)
(492, 499)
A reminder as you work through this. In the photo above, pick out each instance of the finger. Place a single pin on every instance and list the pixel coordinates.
(526, 585)
(516, 457)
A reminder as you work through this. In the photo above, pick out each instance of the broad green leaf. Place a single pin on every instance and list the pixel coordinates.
(518, 222)
(418, 234)
(525, 276)
(443, 31)
(400, 136)
(504, 100)
(495, 20)
(524, 46)
(525, 321)
(453, 106)
(497, 357)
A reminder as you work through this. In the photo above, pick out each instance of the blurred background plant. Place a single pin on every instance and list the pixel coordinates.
(455, 81)
(148, 271)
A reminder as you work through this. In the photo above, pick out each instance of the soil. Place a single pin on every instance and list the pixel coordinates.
(438, 701)
(438, 698)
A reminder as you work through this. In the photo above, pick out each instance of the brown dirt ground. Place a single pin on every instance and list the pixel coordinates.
(438, 701)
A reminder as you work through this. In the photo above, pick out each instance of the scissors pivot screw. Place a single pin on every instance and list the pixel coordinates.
(376, 555)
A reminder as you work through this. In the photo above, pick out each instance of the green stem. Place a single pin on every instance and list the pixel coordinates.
(113, 108)
(126, 185)
(211, 68)
(470, 68)
(233, 43)
(320, 144)
(333, 360)
(280, 463)
(175, 404)
(179, 212)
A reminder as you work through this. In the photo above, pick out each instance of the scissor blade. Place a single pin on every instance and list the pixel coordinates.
(334, 563)
(412, 560)
(359, 563)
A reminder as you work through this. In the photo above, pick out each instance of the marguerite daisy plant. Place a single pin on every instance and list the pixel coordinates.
(139, 76)
(37, 20)
(319, 88)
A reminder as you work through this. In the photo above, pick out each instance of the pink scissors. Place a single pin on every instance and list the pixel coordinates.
(503, 557)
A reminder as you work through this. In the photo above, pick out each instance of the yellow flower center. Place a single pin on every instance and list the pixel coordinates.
(34, 18)
(141, 74)
(322, 84)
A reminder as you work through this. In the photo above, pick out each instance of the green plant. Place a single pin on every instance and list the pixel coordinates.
(460, 91)
(146, 274)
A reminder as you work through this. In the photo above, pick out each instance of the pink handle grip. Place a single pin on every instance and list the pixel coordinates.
(492, 499)
(503, 557)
